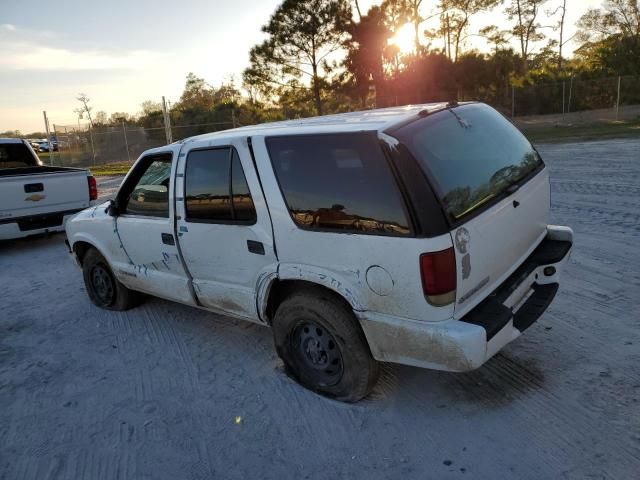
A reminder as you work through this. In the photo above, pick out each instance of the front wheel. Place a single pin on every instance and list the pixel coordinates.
(323, 346)
(104, 290)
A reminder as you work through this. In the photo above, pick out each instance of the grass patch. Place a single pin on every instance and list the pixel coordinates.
(118, 168)
(584, 132)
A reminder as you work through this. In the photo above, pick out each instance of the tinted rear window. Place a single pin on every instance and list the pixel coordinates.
(216, 188)
(339, 183)
(472, 152)
(16, 155)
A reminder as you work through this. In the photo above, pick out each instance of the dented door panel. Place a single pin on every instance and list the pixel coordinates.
(227, 261)
(153, 264)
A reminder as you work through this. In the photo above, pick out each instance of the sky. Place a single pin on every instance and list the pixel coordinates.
(123, 52)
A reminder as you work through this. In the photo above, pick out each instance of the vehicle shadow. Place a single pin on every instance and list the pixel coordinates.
(247, 349)
(499, 382)
(30, 242)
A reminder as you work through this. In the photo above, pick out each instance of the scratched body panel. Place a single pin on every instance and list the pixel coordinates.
(225, 274)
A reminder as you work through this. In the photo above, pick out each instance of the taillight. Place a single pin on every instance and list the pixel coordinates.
(93, 188)
(438, 272)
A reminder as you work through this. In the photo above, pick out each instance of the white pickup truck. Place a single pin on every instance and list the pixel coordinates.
(417, 235)
(35, 198)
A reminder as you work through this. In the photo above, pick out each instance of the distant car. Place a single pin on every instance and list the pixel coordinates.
(46, 146)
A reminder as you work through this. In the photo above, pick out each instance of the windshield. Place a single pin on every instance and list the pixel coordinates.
(472, 152)
(16, 155)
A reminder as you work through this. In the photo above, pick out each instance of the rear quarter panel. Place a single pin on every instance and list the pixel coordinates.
(373, 273)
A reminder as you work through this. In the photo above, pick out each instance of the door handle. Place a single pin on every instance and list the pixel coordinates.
(255, 247)
(168, 239)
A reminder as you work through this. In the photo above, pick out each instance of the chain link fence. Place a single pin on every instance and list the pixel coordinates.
(613, 95)
(574, 100)
(577, 95)
(82, 146)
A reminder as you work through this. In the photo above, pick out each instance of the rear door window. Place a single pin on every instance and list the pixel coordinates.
(473, 154)
(338, 183)
(16, 155)
(216, 189)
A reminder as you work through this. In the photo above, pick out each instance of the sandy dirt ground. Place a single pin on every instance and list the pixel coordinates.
(169, 392)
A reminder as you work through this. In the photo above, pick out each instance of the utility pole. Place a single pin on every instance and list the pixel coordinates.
(167, 121)
(93, 150)
(570, 93)
(126, 143)
(46, 127)
(618, 99)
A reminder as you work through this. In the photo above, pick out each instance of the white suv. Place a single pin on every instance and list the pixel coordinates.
(417, 235)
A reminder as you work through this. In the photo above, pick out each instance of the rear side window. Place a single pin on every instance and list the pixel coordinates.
(216, 189)
(16, 155)
(150, 196)
(473, 154)
(338, 183)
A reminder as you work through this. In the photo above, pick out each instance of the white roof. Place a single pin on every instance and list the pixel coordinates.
(370, 120)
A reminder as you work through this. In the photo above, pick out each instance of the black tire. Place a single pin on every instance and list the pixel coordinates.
(323, 347)
(104, 290)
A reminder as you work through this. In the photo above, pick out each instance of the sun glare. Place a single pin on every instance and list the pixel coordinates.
(404, 39)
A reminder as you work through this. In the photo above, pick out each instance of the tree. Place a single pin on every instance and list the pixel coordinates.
(416, 20)
(119, 117)
(149, 106)
(495, 36)
(560, 26)
(101, 118)
(364, 60)
(197, 95)
(617, 17)
(457, 16)
(302, 35)
(611, 37)
(527, 28)
(85, 108)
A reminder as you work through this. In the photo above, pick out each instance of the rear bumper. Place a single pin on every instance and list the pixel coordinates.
(18, 227)
(465, 344)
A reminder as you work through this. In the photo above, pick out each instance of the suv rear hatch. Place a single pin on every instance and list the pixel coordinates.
(493, 187)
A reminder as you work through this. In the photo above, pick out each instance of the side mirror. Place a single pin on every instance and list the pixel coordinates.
(112, 209)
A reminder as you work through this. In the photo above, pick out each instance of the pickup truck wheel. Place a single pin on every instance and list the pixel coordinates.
(104, 290)
(323, 346)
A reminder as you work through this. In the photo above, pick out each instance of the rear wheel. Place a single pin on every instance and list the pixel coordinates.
(104, 290)
(323, 346)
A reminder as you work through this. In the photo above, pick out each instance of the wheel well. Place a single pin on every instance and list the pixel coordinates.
(282, 289)
(81, 249)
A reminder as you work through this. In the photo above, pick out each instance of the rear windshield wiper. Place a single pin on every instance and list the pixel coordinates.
(463, 123)
(513, 188)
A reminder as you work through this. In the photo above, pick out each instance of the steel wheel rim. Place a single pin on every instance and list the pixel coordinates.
(102, 284)
(316, 349)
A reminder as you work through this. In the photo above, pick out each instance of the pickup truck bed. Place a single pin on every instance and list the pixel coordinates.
(35, 198)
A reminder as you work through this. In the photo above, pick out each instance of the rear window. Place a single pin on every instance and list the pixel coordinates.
(338, 183)
(473, 154)
(16, 155)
